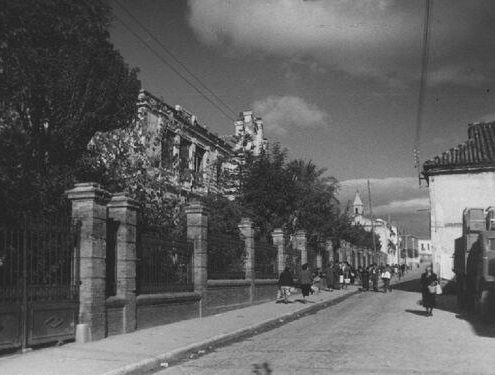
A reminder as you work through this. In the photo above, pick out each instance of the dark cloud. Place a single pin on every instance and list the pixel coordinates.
(379, 39)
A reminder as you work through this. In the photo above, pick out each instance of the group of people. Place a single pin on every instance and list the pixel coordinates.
(338, 275)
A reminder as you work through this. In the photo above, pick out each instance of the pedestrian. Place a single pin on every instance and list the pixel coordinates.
(330, 275)
(429, 281)
(403, 269)
(375, 274)
(345, 276)
(352, 275)
(316, 286)
(337, 273)
(306, 280)
(386, 276)
(285, 284)
(365, 279)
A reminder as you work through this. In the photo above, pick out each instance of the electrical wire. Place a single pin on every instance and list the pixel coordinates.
(422, 85)
(175, 58)
(163, 60)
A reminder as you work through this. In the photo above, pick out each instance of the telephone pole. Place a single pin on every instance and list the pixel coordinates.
(372, 219)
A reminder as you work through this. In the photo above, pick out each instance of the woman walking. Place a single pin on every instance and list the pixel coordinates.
(429, 281)
(306, 280)
(330, 275)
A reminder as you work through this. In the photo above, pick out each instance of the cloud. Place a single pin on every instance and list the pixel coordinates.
(402, 206)
(489, 117)
(384, 190)
(379, 39)
(461, 75)
(281, 113)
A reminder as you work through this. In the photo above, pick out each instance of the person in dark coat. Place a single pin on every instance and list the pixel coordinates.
(428, 278)
(329, 274)
(285, 283)
(306, 280)
(337, 271)
(375, 274)
(365, 279)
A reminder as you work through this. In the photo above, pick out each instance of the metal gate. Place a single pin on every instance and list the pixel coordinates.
(293, 258)
(39, 283)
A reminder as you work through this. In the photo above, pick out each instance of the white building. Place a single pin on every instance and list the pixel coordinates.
(387, 232)
(462, 177)
(424, 250)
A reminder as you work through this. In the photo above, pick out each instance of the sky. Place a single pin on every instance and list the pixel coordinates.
(336, 81)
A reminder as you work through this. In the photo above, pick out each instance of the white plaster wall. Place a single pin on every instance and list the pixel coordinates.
(449, 196)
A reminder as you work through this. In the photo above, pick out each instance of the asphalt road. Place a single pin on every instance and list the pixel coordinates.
(370, 333)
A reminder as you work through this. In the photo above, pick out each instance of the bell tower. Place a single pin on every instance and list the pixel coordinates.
(357, 206)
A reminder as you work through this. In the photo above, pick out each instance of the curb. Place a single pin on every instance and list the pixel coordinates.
(178, 355)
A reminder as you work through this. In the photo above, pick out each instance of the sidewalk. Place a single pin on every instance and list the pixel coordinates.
(145, 350)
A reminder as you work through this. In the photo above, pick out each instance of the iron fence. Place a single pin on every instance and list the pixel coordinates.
(265, 260)
(163, 264)
(292, 258)
(39, 267)
(226, 255)
(38, 261)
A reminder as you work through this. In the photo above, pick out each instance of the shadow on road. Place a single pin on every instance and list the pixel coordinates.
(416, 312)
(448, 302)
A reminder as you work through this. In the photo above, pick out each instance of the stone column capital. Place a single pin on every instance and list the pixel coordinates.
(246, 223)
(196, 207)
(300, 233)
(88, 191)
(122, 200)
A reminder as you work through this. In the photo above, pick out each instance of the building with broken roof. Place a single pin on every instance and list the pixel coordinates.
(461, 177)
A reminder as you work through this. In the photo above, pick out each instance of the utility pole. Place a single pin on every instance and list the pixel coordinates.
(372, 219)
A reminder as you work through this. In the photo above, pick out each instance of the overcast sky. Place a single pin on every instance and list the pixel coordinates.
(336, 81)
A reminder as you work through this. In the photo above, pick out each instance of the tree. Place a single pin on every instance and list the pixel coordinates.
(315, 207)
(61, 81)
(265, 189)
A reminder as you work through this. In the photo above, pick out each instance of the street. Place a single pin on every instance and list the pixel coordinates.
(371, 333)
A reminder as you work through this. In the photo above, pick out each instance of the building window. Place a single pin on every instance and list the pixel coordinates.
(198, 159)
(167, 149)
(184, 154)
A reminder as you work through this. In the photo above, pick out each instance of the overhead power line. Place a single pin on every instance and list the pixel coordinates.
(175, 70)
(422, 85)
(172, 55)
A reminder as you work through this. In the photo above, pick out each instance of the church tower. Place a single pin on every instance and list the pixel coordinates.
(357, 206)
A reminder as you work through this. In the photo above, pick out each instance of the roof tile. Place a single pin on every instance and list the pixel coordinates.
(477, 152)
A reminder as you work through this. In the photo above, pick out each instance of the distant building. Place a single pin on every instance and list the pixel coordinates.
(249, 134)
(386, 232)
(410, 244)
(424, 250)
(461, 177)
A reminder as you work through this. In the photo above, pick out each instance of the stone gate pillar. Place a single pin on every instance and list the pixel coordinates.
(89, 202)
(301, 242)
(279, 242)
(247, 231)
(124, 210)
(319, 260)
(329, 248)
(197, 232)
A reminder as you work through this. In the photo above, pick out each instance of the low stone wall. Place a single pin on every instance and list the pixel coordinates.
(158, 309)
(224, 295)
(265, 290)
(115, 315)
